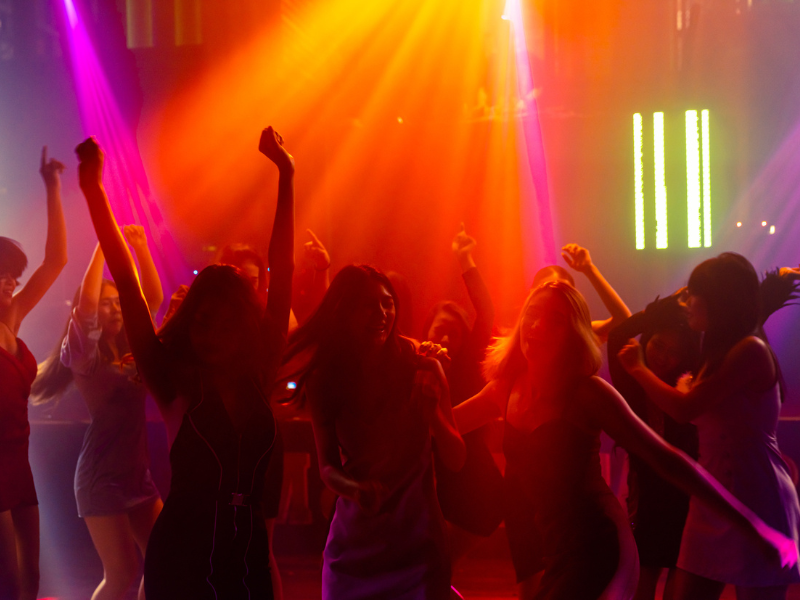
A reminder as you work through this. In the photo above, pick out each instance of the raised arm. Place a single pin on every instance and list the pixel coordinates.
(92, 283)
(578, 258)
(313, 280)
(484, 407)
(611, 413)
(55, 250)
(151, 282)
(281, 244)
(151, 359)
(481, 333)
(747, 366)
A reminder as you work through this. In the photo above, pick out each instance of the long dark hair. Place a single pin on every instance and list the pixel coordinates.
(324, 345)
(729, 285)
(12, 259)
(54, 378)
(224, 285)
(667, 315)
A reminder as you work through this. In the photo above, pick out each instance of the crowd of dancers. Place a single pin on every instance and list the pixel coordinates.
(401, 425)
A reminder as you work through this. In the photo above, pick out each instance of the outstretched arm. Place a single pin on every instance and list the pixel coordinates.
(611, 413)
(484, 407)
(151, 282)
(578, 258)
(55, 250)
(747, 366)
(92, 284)
(481, 333)
(150, 356)
(281, 244)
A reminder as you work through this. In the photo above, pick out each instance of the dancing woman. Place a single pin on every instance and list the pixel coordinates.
(210, 370)
(542, 379)
(375, 406)
(735, 402)
(19, 507)
(114, 491)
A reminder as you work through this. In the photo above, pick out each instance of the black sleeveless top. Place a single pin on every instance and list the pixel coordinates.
(210, 541)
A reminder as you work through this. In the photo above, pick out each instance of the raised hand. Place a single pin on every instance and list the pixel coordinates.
(315, 253)
(90, 169)
(271, 146)
(135, 236)
(463, 243)
(431, 350)
(51, 170)
(577, 257)
(631, 356)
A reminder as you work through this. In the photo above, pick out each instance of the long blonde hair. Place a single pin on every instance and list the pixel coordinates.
(504, 359)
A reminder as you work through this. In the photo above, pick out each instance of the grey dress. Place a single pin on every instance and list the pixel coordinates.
(113, 475)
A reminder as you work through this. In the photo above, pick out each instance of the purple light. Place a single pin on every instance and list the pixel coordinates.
(124, 175)
(532, 153)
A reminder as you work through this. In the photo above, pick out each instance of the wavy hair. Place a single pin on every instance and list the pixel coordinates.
(504, 359)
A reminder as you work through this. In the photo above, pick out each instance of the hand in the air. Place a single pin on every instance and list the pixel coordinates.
(271, 146)
(577, 257)
(135, 236)
(315, 253)
(51, 170)
(90, 167)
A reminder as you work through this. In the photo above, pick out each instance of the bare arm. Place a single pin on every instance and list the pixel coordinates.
(151, 282)
(55, 250)
(484, 407)
(616, 418)
(747, 366)
(579, 259)
(281, 244)
(92, 283)
(150, 356)
(449, 444)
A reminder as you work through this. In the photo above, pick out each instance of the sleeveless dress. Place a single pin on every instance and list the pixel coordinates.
(401, 552)
(16, 479)
(738, 446)
(113, 474)
(561, 515)
(210, 541)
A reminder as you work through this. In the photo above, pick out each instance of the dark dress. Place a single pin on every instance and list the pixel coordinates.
(16, 479)
(562, 517)
(210, 540)
(472, 497)
(657, 509)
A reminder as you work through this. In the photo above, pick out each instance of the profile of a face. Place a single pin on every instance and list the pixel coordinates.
(7, 286)
(250, 271)
(373, 316)
(545, 327)
(216, 334)
(109, 313)
(445, 330)
(697, 312)
(664, 353)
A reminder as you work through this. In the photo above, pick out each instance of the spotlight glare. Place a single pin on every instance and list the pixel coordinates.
(638, 171)
(291, 385)
(704, 117)
(195, 271)
(739, 224)
(693, 178)
(763, 223)
(72, 14)
(661, 185)
(771, 229)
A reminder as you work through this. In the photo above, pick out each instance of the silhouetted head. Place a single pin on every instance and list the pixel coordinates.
(109, 313)
(671, 348)
(447, 325)
(249, 262)
(218, 324)
(553, 332)
(12, 263)
(552, 273)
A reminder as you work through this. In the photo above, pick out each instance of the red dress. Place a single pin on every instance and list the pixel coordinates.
(16, 480)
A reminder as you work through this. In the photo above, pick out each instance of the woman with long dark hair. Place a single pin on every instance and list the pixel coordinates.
(735, 402)
(210, 370)
(19, 507)
(542, 380)
(114, 491)
(375, 406)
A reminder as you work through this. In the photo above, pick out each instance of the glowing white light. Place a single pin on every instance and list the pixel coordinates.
(638, 172)
(291, 385)
(739, 224)
(771, 229)
(704, 121)
(763, 223)
(693, 179)
(661, 185)
(195, 271)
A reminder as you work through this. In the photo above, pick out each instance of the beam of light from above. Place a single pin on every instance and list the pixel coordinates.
(662, 236)
(532, 132)
(124, 174)
(706, 136)
(693, 200)
(638, 173)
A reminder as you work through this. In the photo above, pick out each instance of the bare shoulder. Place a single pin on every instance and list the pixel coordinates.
(751, 358)
(597, 397)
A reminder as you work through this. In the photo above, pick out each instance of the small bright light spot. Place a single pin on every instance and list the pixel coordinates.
(505, 18)
(739, 224)
(291, 385)
(195, 271)
(400, 120)
(771, 229)
(763, 223)
(267, 269)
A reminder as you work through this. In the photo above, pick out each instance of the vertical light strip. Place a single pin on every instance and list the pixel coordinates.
(706, 180)
(638, 174)
(661, 185)
(693, 178)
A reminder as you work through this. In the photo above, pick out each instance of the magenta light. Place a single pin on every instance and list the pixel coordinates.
(124, 176)
(533, 153)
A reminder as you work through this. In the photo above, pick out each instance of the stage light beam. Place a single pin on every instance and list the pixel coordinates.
(693, 200)
(662, 238)
(638, 171)
(706, 134)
